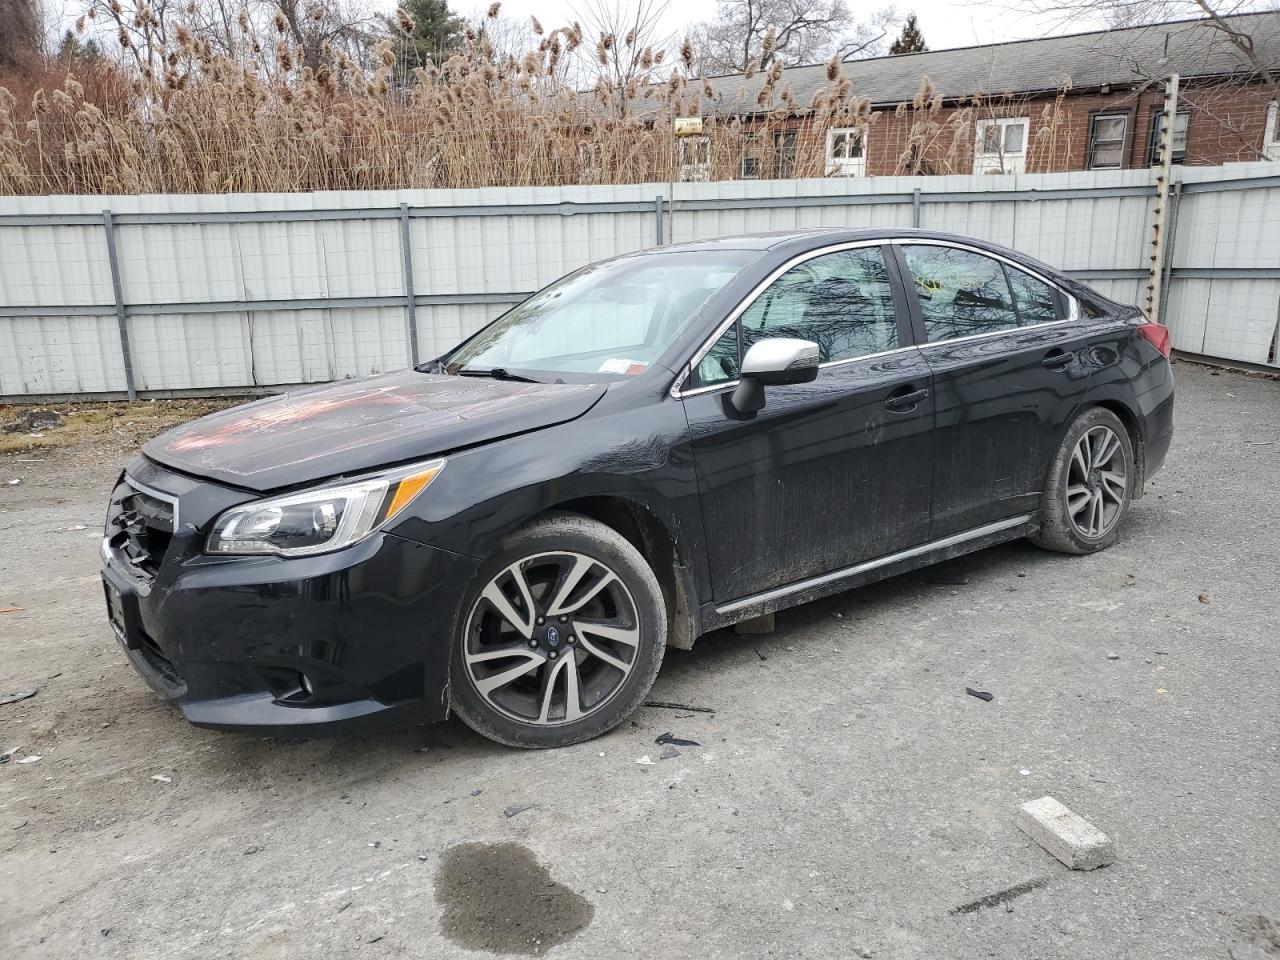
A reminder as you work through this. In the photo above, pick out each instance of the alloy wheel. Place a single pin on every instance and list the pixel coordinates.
(1097, 482)
(551, 638)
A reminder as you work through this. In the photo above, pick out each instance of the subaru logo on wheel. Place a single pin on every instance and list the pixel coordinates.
(553, 636)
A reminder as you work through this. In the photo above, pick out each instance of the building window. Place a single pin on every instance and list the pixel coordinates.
(1178, 143)
(784, 154)
(1106, 141)
(1271, 137)
(752, 157)
(846, 152)
(695, 158)
(1001, 145)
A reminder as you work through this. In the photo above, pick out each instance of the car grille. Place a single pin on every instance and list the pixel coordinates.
(140, 526)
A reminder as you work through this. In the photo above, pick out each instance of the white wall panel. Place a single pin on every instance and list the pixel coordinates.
(65, 265)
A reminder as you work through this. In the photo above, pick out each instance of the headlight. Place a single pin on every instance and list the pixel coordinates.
(321, 520)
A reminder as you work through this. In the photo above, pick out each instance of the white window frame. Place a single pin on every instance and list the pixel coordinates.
(846, 166)
(1271, 137)
(1093, 139)
(695, 164)
(1005, 161)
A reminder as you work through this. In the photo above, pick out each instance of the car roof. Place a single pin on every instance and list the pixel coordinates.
(819, 236)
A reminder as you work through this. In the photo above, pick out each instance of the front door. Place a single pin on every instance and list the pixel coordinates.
(829, 473)
(1008, 375)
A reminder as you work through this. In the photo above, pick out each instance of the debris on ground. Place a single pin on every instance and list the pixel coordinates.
(250, 851)
(17, 696)
(1068, 836)
(31, 759)
(676, 741)
(669, 753)
(4, 757)
(665, 705)
(1203, 598)
(31, 421)
(516, 808)
(762, 656)
(161, 778)
(756, 625)
(1113, 656)
(15, 481)
(980, 694)
(12, 609)
(1001, 896)
(1025, 772)
(645, 760)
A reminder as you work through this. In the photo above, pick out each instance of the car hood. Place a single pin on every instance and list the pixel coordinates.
(359, 425)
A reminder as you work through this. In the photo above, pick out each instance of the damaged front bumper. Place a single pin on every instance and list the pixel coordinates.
(352, 641)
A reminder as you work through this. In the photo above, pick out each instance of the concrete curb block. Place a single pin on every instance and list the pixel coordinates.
(1068, 836)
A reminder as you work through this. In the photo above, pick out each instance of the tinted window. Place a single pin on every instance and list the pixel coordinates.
(841, 301)
(961, 293)
(1034, 299)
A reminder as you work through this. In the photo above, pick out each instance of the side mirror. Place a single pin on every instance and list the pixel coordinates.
(773, 362)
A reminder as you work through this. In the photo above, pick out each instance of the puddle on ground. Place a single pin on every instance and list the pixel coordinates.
(497, 897)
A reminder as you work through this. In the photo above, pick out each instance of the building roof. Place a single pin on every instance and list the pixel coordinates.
(1122, 57)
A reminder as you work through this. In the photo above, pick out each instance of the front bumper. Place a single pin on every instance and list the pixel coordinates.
(347, 642)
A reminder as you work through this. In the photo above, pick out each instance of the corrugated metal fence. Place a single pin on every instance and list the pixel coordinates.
(168, 294)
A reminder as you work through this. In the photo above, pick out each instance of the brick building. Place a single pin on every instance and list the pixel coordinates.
(1077, 102)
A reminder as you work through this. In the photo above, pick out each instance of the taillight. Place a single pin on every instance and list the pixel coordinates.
(1157, 335)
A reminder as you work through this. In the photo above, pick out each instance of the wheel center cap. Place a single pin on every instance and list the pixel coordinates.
(553, 636)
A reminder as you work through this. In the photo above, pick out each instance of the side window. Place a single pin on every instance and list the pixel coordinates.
(1035, 301)
(720, 364)
(961, 293)
(842, 301)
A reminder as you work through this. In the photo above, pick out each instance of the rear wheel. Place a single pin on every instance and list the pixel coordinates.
(1090, 485)
(562, 635)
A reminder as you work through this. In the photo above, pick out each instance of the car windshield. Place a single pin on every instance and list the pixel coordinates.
(609, 320)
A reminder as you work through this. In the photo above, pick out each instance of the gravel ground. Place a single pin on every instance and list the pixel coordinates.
(846, 798)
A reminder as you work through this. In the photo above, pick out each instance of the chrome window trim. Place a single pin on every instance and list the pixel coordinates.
(686, 369)
(891, 558)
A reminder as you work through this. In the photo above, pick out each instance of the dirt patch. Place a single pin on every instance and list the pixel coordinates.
(497, 897)
(92, 432)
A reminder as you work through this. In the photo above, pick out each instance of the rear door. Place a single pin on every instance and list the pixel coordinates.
(1006, 350)
(829, 473)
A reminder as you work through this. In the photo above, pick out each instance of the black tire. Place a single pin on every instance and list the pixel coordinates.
(629, 603)
(1061, 525)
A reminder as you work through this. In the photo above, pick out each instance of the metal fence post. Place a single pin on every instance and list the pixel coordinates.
(915, 207)
(1170, 240)
(121, 320)
(410, 298)
(657, 214)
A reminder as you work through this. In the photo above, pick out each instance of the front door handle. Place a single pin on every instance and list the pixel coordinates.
(1057, 359)
(905, 402)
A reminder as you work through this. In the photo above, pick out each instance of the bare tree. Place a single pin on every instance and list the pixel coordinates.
(623, 49)
(748, 35)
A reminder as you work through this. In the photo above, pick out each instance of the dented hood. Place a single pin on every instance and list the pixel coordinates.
(359, 425)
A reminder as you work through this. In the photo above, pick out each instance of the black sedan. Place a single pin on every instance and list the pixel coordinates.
(653, 447)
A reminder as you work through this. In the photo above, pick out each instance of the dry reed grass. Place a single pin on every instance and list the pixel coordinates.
(208, 123)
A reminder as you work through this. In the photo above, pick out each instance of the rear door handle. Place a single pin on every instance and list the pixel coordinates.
(905, 402)
(1057, 359)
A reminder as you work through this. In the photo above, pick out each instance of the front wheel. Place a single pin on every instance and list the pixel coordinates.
(561, 636)
(1089, 487)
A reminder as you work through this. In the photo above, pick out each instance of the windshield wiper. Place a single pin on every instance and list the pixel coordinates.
(497, 373)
